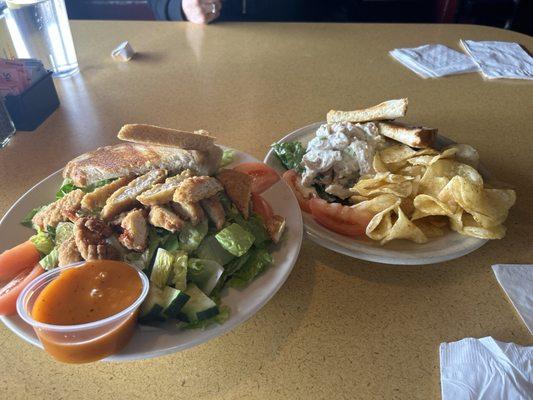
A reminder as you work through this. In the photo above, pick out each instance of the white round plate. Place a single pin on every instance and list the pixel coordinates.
(151, 341)
(400, 252)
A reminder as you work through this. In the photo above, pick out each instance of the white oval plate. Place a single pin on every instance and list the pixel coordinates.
(151, 341)
(400, 252)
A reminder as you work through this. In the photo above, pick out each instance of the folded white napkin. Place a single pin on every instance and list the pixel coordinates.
(434, 60)
(485, 369)
(517, 282)
(500, 59)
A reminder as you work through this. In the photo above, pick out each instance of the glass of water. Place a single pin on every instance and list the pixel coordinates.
(40, 29)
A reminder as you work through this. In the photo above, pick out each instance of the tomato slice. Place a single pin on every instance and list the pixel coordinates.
(261, 207)
(262, 175)
(18, 258)
(10, 292)
(348, 221)
(290, 177)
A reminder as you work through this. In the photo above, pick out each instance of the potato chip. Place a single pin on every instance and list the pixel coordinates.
(489, 207)
(426, 205)
(429, 228)
(384, 183)
(378, 164)
(396, 153)
(438, 175)
(465, 154)
(470, 227)
(404, 229)
(379, 203)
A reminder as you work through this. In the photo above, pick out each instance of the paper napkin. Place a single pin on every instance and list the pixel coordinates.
(517, 282)
(500, 59)
(485, 369)
(434, 60)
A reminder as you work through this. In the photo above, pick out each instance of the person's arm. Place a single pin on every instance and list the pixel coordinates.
(167, 10)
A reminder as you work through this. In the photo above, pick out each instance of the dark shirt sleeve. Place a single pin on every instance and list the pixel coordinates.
(169, 10)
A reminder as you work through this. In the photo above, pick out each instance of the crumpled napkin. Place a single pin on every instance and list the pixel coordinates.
(434, 60)
(500, 59)
(485, 369)
(517, 282)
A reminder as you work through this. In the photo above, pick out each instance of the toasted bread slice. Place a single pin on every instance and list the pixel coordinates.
(126, 159)
(238, 187)
(140, 133)
(387, 110)
(415, 136)
(196, 188)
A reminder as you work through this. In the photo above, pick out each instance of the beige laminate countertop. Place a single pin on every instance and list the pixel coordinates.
(339, 328)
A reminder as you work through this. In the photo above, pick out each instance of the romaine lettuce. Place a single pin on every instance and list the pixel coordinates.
(26, 221)
(191, 236)
(235, 239)
(51, 260)
(258, 261)
(43, 242)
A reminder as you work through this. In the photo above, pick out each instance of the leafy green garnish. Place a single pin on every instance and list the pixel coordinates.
(290, 154)
(64, 231)
(227, 157)
(255, 226)
(68, 186)
(51, 260)
(191, 236)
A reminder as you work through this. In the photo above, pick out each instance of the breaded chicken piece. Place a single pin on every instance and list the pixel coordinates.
(162, 192)
(97, 198)
(238, 187)
(126, 197)
(135, 231)
(196, 188)
(90, 235)
(60, 210)
(189, 211)
(214, 209)
(162, 217)
(68, 252)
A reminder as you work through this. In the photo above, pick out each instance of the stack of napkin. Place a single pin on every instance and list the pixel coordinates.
(486, 368)
(494, 60)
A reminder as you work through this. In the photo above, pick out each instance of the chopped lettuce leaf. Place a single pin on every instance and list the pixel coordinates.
(227, 157)
(26, 221)
(220, 318)
(43, 242)
(134, 258)
(210, 249)
(178, 277)
(235, 239)
(204, 273)
(290, 154)
(154, 241)
(229, 269)
(256, 227)
(258, 261)
(229, 208)
(162, 269)
(64, 231)
(51, 260)
(191, 236)
(172, 243)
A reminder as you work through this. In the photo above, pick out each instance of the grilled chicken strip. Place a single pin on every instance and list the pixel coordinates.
(162, 193)
(238, 187)
(97, 198)
(213, 207)
(68, 252)
(126, 197)
(197, 188)
(164, 218)
(135, 230)
(189, 211)
(60, 210)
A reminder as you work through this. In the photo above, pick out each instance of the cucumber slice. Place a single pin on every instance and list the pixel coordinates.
(199, 306)
(210, 249)
(174, 300)
(204, 273)
(163, 263)
(179, 270)
(152, 306)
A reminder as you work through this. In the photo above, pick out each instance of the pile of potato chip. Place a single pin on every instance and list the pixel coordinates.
(417, 194)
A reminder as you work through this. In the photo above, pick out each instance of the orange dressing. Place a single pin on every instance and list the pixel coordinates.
(94, 291)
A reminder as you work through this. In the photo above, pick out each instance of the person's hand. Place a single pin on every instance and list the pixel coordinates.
(201, 11)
